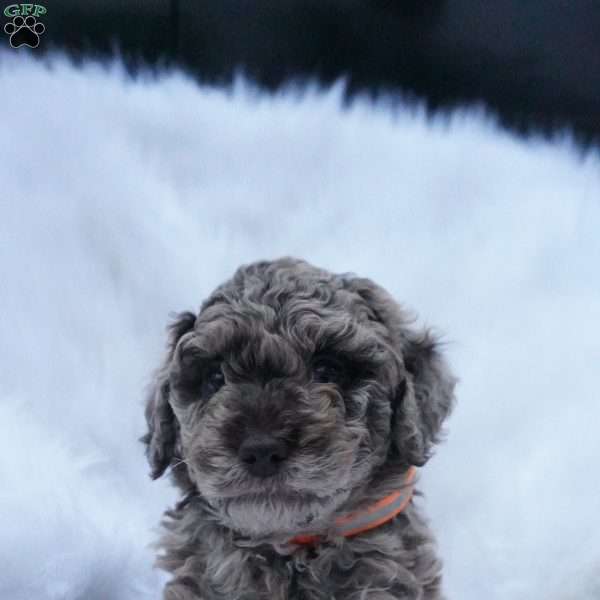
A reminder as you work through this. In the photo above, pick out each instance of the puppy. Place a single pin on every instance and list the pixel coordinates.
(292, 412)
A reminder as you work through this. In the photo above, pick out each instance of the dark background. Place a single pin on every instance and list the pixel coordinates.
(534, 64)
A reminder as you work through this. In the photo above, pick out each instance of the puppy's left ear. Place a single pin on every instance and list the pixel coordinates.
(423, 399)
(161, 438)
(424, 396)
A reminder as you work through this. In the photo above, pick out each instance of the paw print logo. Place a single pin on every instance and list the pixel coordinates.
(24, 31)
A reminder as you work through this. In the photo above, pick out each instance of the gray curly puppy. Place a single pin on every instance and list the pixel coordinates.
(292, 412)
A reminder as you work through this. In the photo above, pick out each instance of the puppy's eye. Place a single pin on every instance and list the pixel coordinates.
(212, 381)
(327, 370)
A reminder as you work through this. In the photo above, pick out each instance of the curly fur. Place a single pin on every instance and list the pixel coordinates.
(351, 440)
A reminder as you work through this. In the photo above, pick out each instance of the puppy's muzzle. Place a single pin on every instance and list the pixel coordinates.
(263, 455)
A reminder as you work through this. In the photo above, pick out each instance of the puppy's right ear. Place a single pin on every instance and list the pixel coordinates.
(161, 438)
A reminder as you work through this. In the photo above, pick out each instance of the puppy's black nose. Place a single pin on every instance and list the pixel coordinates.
(263, 455)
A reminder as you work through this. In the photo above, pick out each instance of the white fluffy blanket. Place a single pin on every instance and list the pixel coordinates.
(122, 201)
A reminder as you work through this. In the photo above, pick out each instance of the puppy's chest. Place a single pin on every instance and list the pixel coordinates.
(325, 573)
(394, 562)
(301, 576)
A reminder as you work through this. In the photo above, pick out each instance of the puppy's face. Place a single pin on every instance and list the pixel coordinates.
(284, 394)
(284, 408)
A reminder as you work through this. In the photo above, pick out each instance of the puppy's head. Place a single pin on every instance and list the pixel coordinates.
(289, 390)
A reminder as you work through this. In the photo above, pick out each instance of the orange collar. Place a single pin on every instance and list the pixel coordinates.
(363, 520)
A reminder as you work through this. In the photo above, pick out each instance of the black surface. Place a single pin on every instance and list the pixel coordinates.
(534, 63)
